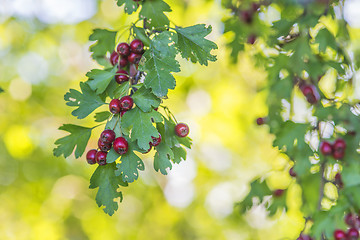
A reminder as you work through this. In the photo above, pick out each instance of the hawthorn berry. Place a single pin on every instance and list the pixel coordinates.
(292, 172)
(338, 181)
(326, 148)
(352, 234)
(126, 103)
(137, 46)
(304, 237)
(155, 141)
(101, 157)
(260, 121)
(181, 129)
(278, 192)
(123, 49)
(251, 39)
(339, 235)
(122, 113)
(121, 76)
(311, 94)
(134, 58)
(120, 145)
(107, 136)
(352, 220)
(246, 16)
(114, 106)
(90, 156)
(114, 58)
(339, 145)
(123, 62)
(105, 147)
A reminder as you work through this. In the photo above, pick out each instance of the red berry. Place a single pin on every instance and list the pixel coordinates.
(304, 237)
(126, 103)
(121, 76)
(339, 145)
(122, 113)
(339, 155)
(114, 106)
(182, 129)
(101, 157)
(120, 145)
(260, 121)
(278, 192)
(123, 49)
(155, 141)
(114, 58)
(311, 94)
(353, 234)
(246, 16)
(292, 172)
(123, 62)
(338, 181)
(339, 235)
(137, 46)
(107, 136)
(90, 156)
(251, 39)
(352, 220)
(105, 147)
(326, 148)
(134, 58)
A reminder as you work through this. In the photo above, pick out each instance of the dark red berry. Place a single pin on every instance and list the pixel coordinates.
(304, 237)
(134, 58)
(339, 145)
(114, 58)
(260, 121)
(311, 94)
(101, 157)
(251, 39)
(338, 181)
(255, 7)
(123, 62)
(120, 145)
(123, 49)
(339, 155)
(137, 46)
(126, 103)
(339, 235)
(155, 141)
(121, 76)
(278, 192)
(292, 172)
(105, 147)
(114, 106)
(246, 16)
(90, 156)
(107, 136)
(352, 234)
(122, 113)
(182, 129)
(326, 148)
(352, 220)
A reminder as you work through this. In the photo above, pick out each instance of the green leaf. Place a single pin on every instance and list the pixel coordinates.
(325, 39)
(79, 137)
(351, 175)
(194, 46)
(179, 154)
(310, 184)
(301, 53)
(105, 43)
(1, 90)
(171, 138)
(143, 128)
(145, 99)
(112, 156)
(129, 166)
(130, 5)
(162, 158)
(114, 90)
(100, 79)
(153, 12)
(159, 63)
(87, 101)
(141, 34)
(108, 183)
(289, 132)
(102, 116)
(258, 189)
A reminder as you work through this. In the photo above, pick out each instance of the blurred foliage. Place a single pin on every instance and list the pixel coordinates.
(44, 197)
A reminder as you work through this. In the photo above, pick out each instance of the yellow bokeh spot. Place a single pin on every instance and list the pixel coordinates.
(18, 142)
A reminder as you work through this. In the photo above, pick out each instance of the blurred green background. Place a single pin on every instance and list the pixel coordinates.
(44, 52)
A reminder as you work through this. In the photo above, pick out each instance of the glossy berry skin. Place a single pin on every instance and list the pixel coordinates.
(339, 155)
(90, 156)
(121, 76)
(292, 172)
(123, 49)
(134, 58)
(352, 234)
(352, 220)
(326, 148)
(123, 62)
(105, 147)
(101, 157)
(339, 145)
(260, 121)
(107, 136)
(181, 130)
(339, 235)
(311, 94)
(278, 192)
(114, 58)
(120, 145)
(126, 103)
(137, 46)
(155, 141)
(114, 106)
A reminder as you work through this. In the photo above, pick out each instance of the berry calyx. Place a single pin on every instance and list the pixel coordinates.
(278, 192)
(181, 129)
(155, 141)
(137, 46)
(114, 58)
(120, 145)
(339, 235)
(352, 234)
(326, 148)
(114, 106)
(292, 172)
(107, 136)
(134, 58)
(90, 156)
(123, 49)
(260, 121)
(101, 157)
(123, 62)
(352, 220)
(105, 147)
(121, 76)
(126, 103)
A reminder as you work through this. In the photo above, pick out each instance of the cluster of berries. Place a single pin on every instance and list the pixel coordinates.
(337, 149)
(353, 221)
(124, 55)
